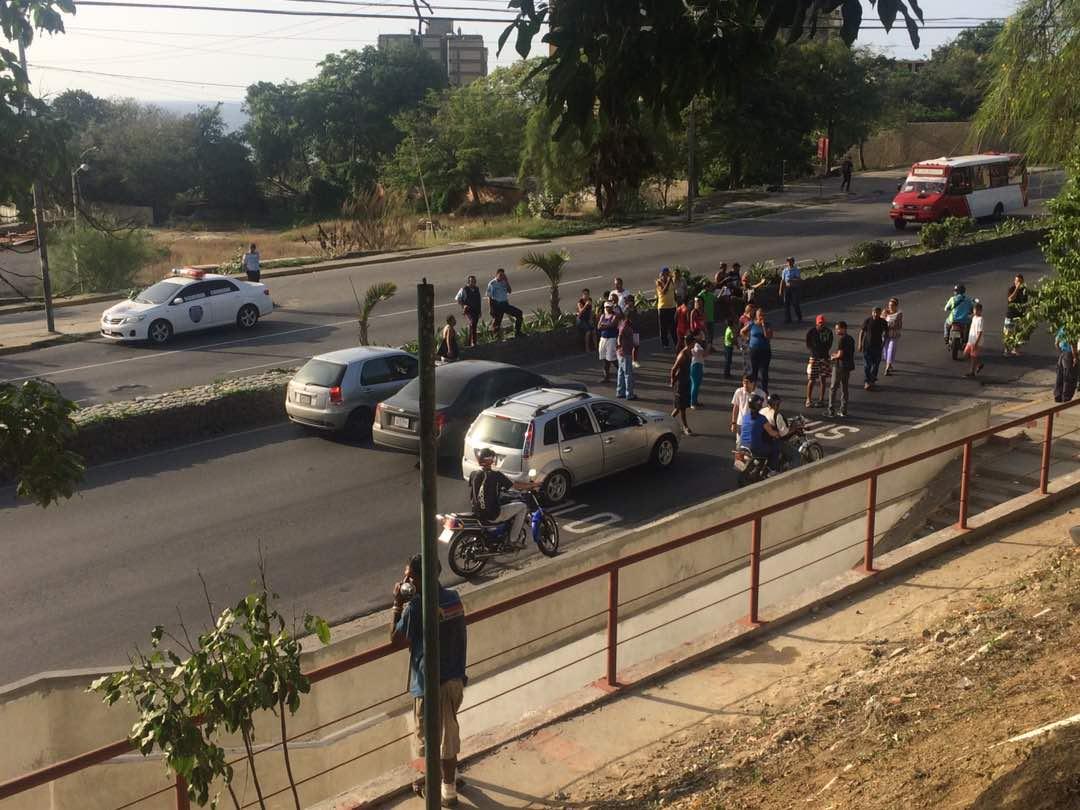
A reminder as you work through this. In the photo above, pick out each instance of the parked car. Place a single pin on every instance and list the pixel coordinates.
(339, 391)
(186, 301)
(568, 437)
(462, 390)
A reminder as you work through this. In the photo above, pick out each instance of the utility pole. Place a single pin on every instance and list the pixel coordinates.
(691, 167)
(425, 317)
(39, 218)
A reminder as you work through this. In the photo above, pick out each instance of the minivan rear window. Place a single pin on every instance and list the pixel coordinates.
(499, 432)
(320, 372)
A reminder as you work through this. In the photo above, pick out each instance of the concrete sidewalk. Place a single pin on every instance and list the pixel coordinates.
(597, 755)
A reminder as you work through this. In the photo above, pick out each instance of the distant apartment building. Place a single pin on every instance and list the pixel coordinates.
(462, 55)
(910, 65)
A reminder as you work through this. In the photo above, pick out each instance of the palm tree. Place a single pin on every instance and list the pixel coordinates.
(383, 291)
(551, 265)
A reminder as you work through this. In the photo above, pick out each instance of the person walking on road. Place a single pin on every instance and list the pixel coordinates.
(680, 384)
(585, 323)
(731, 340)
(698, 352)
(819, 341)
(498, 295)
(974, 346)
(469, 299)
(407, 627)
(843, 363)
(871, 344)
(740, 403)
(894, 320)
(1015, 306)
(607, 327)
(448, 350)
(845, 174)
(251, 264)
(1065, 382)
(680, 286)
(665, 308)
(698, 320)
(624, 346)
(758, 335)
(791, 290)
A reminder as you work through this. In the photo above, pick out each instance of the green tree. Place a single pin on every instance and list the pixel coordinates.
(1032, 102)
(375, 295)
(35, 430)
(552, 265)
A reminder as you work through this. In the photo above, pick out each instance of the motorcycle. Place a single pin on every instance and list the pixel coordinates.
(472, 542)
(958, 336)
(756, 468)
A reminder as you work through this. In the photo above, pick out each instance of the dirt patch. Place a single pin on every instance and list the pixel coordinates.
(187, 247)
(921, 721)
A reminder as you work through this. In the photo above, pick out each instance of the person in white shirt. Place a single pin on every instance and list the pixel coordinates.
(740, 403)
(777, 419)
(975, 341)
(623, 294)
(251, 264)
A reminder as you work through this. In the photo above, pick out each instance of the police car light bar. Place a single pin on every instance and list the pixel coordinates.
(188, 272)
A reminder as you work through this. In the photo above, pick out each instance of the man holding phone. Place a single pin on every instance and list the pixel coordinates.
(407, 627)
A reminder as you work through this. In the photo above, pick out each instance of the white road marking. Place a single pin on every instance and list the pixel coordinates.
(590, 523)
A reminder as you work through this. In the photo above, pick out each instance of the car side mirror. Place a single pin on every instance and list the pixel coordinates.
(178, 300)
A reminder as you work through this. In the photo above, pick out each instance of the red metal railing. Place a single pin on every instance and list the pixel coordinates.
(611, 571)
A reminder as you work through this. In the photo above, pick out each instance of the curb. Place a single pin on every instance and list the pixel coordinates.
(305, 269)
(44, 343)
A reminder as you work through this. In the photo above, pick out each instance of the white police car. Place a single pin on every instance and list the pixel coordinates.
(186, 301)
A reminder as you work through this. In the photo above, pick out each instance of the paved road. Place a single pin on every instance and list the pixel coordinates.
(317, 311)
(81, 582)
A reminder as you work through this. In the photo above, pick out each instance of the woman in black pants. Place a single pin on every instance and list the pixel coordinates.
(759, 336)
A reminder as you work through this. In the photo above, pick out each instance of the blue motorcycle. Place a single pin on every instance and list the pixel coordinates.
(472, 542)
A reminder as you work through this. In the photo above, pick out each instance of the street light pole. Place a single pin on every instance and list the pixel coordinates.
(423, 189)
(82, 167)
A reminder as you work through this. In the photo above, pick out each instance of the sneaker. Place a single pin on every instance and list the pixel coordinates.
(979, 368)
(809, 404)
(843, 414)
(888, 371)
(829, 412)
(693, 407)
(636, 364)
(867, 386)
(687, 432)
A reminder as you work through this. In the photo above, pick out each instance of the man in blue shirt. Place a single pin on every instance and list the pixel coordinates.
(408, 628)
(1065, 383)
(498, 295)
(791, 290)
(758, 435)
(960, 309)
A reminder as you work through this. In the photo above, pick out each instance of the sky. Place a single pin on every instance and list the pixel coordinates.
(173, 55)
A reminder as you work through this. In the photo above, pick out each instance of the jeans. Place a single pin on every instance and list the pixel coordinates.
(253, 275)
(513, 511)
(710, 331)
(473, 318)
(624, 380)
(729, 353)
(697, 374)
(792, 300)
(840, 379)
(501, 308)
(1065, 383)
(871, 364)
(760, 357)
(890, 350)
(666, 318)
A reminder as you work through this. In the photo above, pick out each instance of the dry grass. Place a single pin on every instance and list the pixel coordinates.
(213, 247)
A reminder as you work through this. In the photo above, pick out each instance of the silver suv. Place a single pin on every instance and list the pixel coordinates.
(569, 437)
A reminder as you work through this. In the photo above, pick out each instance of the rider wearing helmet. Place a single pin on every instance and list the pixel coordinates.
(760, 437)
(485, 488)
(960, 309)
(772, 413)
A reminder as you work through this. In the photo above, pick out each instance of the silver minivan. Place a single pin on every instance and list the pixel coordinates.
(569, 437)
(338, 391)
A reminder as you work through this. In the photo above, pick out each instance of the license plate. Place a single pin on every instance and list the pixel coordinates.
(400, 421)
(909, 216)
(446, 535)
(303, 399)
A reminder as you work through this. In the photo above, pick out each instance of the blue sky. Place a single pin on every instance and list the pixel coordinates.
(161, 54)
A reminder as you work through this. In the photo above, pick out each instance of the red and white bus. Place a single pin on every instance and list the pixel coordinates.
(987, 185)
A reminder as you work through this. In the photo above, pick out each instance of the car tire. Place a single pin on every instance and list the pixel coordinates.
(664, 451)
(248, 316)
(358, 425)
(555, 487)
(899, 224)
(159, 332)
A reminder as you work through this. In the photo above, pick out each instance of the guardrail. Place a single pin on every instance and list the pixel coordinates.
(610, 572)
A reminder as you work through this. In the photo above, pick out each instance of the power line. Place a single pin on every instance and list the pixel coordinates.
(211, 35)
(280, 11)
(143, 78)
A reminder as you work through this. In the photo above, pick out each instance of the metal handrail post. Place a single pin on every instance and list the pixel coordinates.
(613, 628)
(755, 568)
(1044, 472)
(182, 800)
(871, 523)
(965, 483)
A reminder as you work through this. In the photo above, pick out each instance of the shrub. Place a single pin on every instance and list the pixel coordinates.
(948, 232)
(379, 221)
(871, 252)
(107, 260)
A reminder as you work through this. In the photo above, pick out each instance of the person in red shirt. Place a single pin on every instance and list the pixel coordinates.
(697, 317)
(682, 324)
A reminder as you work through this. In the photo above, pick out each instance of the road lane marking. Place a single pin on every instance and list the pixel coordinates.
(238, 341)
(592, 523)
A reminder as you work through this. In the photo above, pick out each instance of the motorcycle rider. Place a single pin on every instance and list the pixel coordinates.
(758, 435)
(788, 449)
(960, 309)
(485, 487)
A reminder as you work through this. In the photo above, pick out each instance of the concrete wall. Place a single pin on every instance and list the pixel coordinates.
(53, 718)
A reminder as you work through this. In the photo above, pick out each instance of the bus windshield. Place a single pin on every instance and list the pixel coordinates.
(925, 186)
